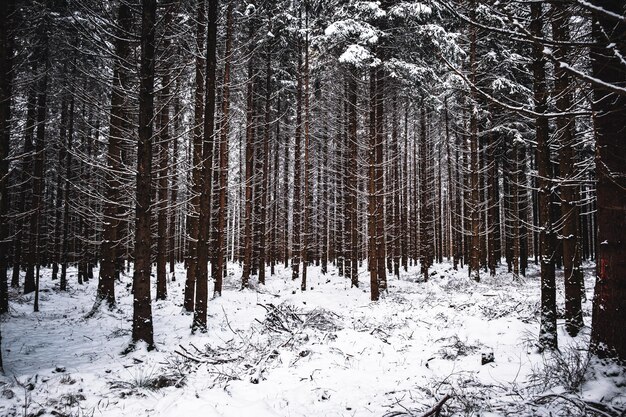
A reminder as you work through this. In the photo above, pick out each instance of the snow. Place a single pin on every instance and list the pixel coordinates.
(350, 28)
(406, 10)
(339, 353)
(356, 55)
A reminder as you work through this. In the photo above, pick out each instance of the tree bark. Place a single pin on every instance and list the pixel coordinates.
(474, 249)
(223, 156)
(547, 330)
(566, 129)
(352, 186)
(142, 307)
(200, 313)
(193, 228)
(6, 92)
(263, 166)
(249, 157)
(608, 338)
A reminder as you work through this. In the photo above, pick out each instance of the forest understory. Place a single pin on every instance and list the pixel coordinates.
(274, 350)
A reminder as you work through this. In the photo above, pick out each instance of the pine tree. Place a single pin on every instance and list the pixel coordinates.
(607, 336)
(142, 307)
(117, 125)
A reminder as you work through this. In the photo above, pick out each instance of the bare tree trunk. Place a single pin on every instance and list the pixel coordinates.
(426, 205)
(264, 168)
(297, 176)
(36, 219)
(373, 209)
(249, 155)
(202, 276)
(547, 330)
(66, 198)
(58, 212)
(395, 169)
(275, 185)
(474, 252)
(405, 231)
(172, 233)
(6, 91)
(352, 186)
(142, 307)
(26, 167)
(161, 204)
(163, 145)
(608, 338)
(491, 225)
(572, 271)
(223, 157)
(193, 227)
(286, 158)
(306, 201)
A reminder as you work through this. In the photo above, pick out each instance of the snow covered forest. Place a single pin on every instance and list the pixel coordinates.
(313, 208)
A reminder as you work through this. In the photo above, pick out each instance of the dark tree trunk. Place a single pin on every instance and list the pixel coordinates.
(297, 176)
(263, 166)
(66, 199)
(547, 330)
(36, 218)
(474, 249)
(142, 307)
(608, 338)
(161, 203)
(307, 197)
(194, 206)
(352, 186)
(26, 167)
(426, 205)
(249, 157)
(566, 129)
(117, 125)
(200, 313)
(6, 91)
(223, 157)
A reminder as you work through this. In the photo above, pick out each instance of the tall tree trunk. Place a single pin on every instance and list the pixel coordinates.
(172, 234)
(297, 176)
(608, 338)
(249, 157)
(275, 185)
(547, 330)
(142, 307)
(66, 198)
(36, 219)
(474, 252)
(492, 204)
(223, 156)
(117, 125)
(565, 125)
(352, 186)
(263, 165)
(164, 139)
(162, 191)
(193, 227)
(200, 313)
(58, 205)
(405, 231)
(380, 179)
(395, 169)
(6, 91)
(25, 180)
(426, 204)
(307, 197)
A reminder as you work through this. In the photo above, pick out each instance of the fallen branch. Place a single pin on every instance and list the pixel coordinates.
(436, 410)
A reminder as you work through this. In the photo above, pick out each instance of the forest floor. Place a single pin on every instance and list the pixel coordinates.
(277, 351)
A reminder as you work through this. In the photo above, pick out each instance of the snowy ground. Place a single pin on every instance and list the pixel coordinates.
(278, 351)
